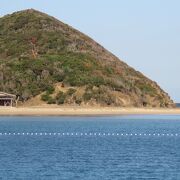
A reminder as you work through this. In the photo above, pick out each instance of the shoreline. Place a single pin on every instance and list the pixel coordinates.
(84, 111)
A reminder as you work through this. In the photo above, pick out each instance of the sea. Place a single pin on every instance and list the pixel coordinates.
(132, 147)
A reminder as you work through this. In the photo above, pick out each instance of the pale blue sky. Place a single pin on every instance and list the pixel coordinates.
(144, 34)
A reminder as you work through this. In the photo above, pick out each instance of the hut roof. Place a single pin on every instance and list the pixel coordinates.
(2, 94)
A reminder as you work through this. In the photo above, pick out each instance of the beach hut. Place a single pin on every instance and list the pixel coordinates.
(7, 99)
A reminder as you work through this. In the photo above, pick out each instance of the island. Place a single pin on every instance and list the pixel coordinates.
(49, 68)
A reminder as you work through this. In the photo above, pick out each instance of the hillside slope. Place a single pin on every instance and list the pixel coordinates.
(38, 52)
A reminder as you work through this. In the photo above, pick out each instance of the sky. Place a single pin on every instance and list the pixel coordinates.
(144, 34)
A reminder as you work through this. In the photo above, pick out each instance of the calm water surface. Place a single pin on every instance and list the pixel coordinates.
(87, 157)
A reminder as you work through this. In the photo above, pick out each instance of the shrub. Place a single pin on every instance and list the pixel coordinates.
(87, 96)
(147, 89)
(45, 97)
(60, 93)
(78, 99)
(58, 77)
(97, 81)
(26, 94)
(71, 91)
(109, 70)
(21, 21)
(50, 90)
(61, 100)
(60, 97)
(51, 101)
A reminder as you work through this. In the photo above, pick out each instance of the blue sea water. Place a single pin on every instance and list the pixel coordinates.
(90, 148)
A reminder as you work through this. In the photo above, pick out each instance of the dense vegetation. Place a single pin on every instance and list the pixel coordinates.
(37, 51)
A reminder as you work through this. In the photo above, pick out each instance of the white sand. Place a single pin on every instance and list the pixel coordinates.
(73, 111)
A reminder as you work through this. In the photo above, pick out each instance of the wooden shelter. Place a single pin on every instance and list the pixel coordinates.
(7, 99)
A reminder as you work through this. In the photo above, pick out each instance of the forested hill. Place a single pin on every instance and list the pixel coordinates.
(41, 56)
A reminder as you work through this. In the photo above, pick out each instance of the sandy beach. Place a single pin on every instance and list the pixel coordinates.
(80, 111)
